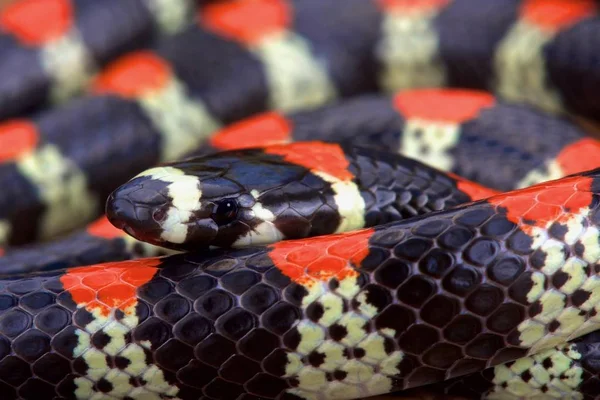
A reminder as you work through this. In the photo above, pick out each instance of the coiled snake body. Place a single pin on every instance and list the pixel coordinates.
(397, 275)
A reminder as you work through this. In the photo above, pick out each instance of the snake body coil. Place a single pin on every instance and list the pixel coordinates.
(399, 275)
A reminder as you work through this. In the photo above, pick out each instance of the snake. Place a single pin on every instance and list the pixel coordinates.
(312, 317)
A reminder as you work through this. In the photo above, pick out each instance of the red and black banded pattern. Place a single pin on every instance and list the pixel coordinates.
(266, 194)
(340, 316)
(393, 187)
(169, 99)
(470, 133)
(301, 54)
(465, 132)
(52, 48)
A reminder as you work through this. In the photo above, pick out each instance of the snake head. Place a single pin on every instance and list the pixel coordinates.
(228, 199)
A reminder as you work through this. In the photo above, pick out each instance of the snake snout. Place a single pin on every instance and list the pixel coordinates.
(136, 211)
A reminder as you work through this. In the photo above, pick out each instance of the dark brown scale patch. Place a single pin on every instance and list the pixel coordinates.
(316, 359)
(416, 291)
(259, 298)
(333, 284)
(172, 308)
(14, 323)
(579, 297)
(377, 296)
(389, 345)
(418, 338)
(37, 389)
(466, 366)
(214, 304)
(535, 309)
(538, 259)
(425, 375)
(82, 317)
(295, 293)
(359, 353)
(395, 317)
(276, 278)
(485, 346)
(14, 371)
(196, 286)
(173, 355)
(155, 290)
(508, 354)
(497, 226)
(507, 317)
(267, 386)
(578, 249)
(337, 332)
(154, 330)
(392, 273)
(237, 282)
(31, 345)
(436, 263)
(526, 376)
(196, 374)
(554, 325)
(280, 318)
(37, 300)
(474, 217)
(236, 323)
(412, 249)
(221, 389)
(506, 270)
(558, 230)
(119, 314)
(518, 290)
(559, 279)
(455, 238)
(440, 310)
(520, 242)
(315, 311)
(121, 362)
(547, 363)
(462, 329)
(104, 386)
(100, 339)
(66, 341)
(339, 375)
(431, 228)
(52, 320)
(4, 347)
(24, 286)
(258, 344)
(275, 363)
(482, 251)
(192, 329)
(214, 350)
(51, 367)
(442, 355)
(374, 259)
(239, 369)
(461, 280)
(388, 238)
(292, 338)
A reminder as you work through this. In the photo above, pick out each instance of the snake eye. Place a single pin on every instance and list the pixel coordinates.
(225, 211)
